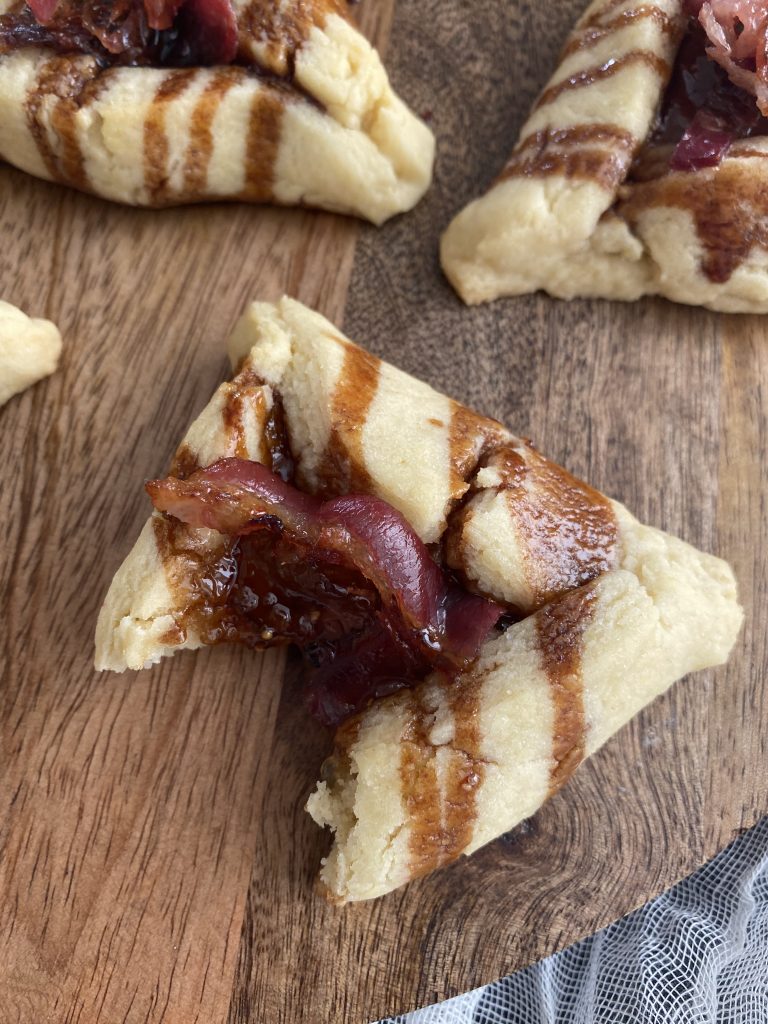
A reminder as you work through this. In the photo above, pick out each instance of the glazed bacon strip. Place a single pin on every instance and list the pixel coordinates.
(382, 613)
(710, 100)
(737, 31)
(169, 33)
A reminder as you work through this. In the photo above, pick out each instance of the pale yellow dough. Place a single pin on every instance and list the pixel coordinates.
(358, 149)
(660, 608)
(29, 350)
(632, 653)
(571, 237)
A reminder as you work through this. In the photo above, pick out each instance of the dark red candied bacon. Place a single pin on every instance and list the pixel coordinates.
(167, 33)
(347, 580)
(737, 33)
(704, 112)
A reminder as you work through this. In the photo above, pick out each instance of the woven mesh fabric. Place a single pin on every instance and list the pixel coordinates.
(696, 955)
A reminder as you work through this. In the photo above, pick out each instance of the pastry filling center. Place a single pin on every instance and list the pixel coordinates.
(346, 580)
(718, 92)
(158, 33)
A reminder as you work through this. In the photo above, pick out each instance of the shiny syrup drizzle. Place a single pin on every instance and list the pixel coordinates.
(267, 588)
(598, 152)
(560, 628)
(201, 141)
(567, 529)
(599, 73)
(727, 202)
(201, 580)
(342, 469)
(441, 811)
(156, 145)
(570, 529)
(597, 28)
(573, 529)
(282, 29)
(76, 82)
(601, 153)
(73, 84)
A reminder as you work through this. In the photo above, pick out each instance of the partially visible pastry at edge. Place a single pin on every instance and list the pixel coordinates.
(29, 350)
(475, 620)
(249, 100)
(642, 169)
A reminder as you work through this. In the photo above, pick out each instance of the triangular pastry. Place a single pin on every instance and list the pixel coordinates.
(478, 618)
(641, 169)
(181, 101)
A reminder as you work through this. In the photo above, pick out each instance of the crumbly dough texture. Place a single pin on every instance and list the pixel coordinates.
(658, 608)
(339, 139)
(29, 350)
(563, 217)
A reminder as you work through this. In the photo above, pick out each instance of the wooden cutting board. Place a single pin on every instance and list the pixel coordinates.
(155, 860)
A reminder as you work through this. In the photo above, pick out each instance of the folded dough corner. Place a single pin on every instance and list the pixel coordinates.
(308, 117)
(587, 205)
(606, 613)
(29, 350)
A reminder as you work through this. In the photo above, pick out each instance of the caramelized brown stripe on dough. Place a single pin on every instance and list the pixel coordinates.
(343, 469)
(592, 34)
(467, 768)
(171, 538)
(421, 792)
(246, 390)
(278, 30)
(599, 16)
(63, 86)
(263, 144)
(242, 391)
(728, 205)
(156, 149)
(201, 141)
(748, 152)
(184, 463)
(560, 628)
(441, 823)
(600, 73)
(569, 529)
(470, 438)
(595, 152)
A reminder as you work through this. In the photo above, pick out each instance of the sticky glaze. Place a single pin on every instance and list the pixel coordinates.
(420, 791)
(441, 818)
(467, 768)
(156, 146)
(727, 205)
(64, 85)
(263, 144)
(192, 568)
(568, 529)
(201, 140)
(595, 29)
(277, 31)
(343, 467)
(560, 628)
(471, 437)
(69, 83)
(601, 153)
(600, 73)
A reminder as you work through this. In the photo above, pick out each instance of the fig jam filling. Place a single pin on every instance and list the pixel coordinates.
(158, 33)
(346, 580)
(714, 95)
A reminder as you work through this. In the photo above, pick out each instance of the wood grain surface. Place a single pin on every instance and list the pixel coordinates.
(155, 861)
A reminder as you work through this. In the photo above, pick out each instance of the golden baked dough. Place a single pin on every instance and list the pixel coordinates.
(323, 128)
(609, 612)
(29, 350)
(587, 204)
